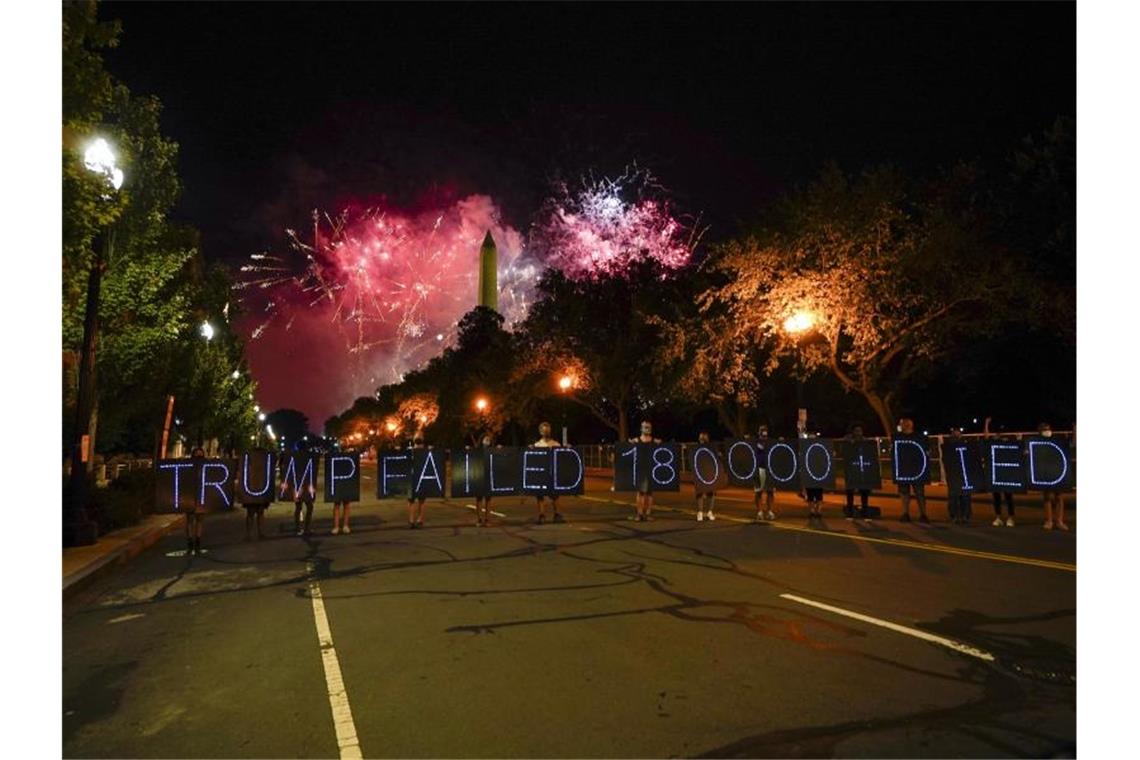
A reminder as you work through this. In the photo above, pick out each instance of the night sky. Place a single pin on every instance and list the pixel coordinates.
(280, 108)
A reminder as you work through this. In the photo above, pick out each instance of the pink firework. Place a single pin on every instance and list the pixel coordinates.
(609, 224)
(389, 286)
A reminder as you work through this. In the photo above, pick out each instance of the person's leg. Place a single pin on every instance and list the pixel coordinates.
(864, 494)
(420, 512)
(336, 519)
(904, 495)
(849, 505)
(1009, 509)
(411, 512)
(297, 528)
(248, 521)
(554, 506)
(711, 502)
(189, 532)
(920, 495)
(770, 498)
(347, 510)
(308, 515)
(997, 508)
(1059, 506)
(260, 522)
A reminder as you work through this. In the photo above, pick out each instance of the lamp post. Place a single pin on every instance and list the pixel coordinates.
(798, 325)
(565, 383)
(78, 530)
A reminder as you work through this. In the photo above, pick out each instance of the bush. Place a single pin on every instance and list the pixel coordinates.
(124, 501)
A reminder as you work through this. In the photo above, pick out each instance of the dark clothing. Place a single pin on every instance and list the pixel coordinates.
(1008, 502)
(307, 499)
(814, 494)
(958, 505)
(849, 510)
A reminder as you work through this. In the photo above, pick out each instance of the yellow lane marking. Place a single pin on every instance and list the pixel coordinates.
(1011, 558)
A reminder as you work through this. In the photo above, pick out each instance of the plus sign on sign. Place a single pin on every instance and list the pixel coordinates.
(860, 465)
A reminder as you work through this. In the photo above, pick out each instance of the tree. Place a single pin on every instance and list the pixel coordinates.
(872, 278)
(289, 425)
(606, 332)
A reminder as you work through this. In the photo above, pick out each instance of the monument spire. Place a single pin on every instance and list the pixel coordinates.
(489, 273)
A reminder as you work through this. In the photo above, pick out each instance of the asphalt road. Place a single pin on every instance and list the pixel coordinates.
(597, 637)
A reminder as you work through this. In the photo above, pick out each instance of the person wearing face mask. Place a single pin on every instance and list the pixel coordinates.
(707, 499)
(906, 427)
(765, 487)
(1054, 500)
(483, 503)
(545, 441)
(645, 498)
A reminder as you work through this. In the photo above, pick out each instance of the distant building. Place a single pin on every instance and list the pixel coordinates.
(489, 273)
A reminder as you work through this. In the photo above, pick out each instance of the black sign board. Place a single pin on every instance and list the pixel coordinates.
(647, 467)
(784, 465)
(298, 476)
(860, 465)
(215, 484)
(468, 473)
(256, 476)
(1050, 464)
(504, 471)
(741, 460)
(428, 469)
(817, 463)
(393, 472)
(175, 482)
(342, 477)
(962, 463)
(567, 471)
(910, 464)
(709, 472)
(536, 466)
(1005, 466)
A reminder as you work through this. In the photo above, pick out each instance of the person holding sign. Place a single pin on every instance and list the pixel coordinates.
(196, 516)
(705, 499)
(765, 486)
(545, 442)
(1054, 500)
(998, 495)
(304, 495)
(340, 515)
(483, 501)
(853, 440)
(958, 503)
(918, 487)
(644, 495)
(813, 495)
(416, 515)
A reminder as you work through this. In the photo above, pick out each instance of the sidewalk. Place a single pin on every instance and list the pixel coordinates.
(82, 564)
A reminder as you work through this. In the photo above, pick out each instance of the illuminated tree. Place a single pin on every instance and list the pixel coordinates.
(874, 279)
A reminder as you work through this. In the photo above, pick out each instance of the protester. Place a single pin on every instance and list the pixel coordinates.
(196, 516)
(707, 499)
(304, 495)
(544, 442)
(483, 502)
(1054, 500)
(906, 427)
(999, 495)
(813, 496)
(415, 500)
(853, 438)
(958, 503)
(645, 498)
(765, 487)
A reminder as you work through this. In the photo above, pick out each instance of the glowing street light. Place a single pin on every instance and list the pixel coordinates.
(481, 404)
(261, 417)
(235, 375)
(800, 322)
(565, 382)
(206, 330)
(100, 159)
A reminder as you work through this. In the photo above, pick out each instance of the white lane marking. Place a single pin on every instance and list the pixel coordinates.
(496, 514)
(949, 643)
(346, 738)
(125, 618)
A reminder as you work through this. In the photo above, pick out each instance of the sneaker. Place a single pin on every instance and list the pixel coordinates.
(558, 518)
(1048, 525)
(711, 515)
(700, 516)
(905, 517)
(334, 531)
(759, 517)
(300, 531)
(924, 519)
(1062, 526)
(850, 518)
(771, 515)
(1009, 523)
(347, 529)
(997, 522)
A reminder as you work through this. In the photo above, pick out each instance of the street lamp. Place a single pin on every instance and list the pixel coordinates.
(261, 417)
(565, 383)
(78, 530)
(797, 325)
(206, 330)
(481, 405)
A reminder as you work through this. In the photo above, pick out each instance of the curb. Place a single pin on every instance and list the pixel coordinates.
(120, 555)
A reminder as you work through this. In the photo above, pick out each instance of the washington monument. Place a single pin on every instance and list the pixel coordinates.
(489, 273)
